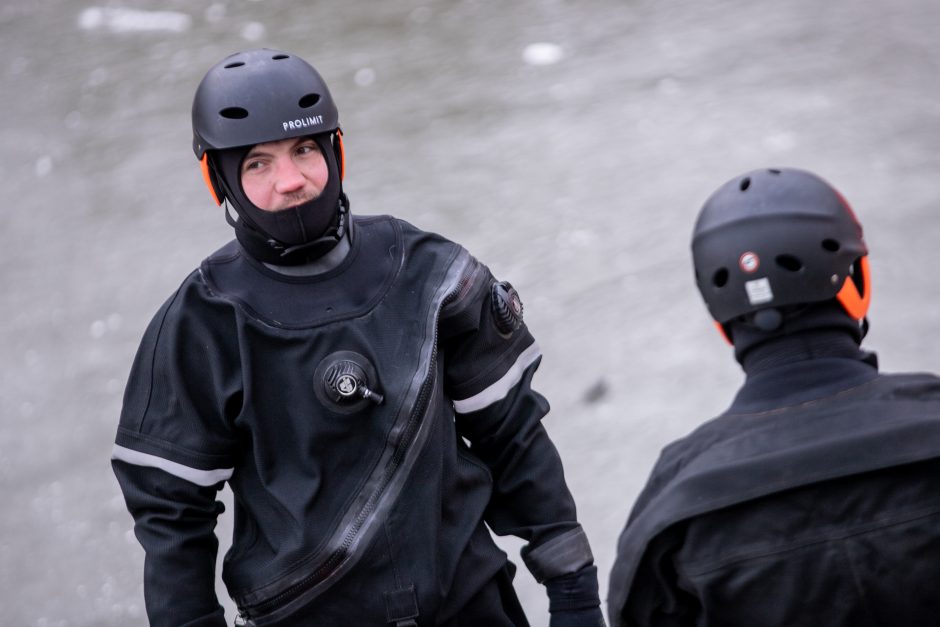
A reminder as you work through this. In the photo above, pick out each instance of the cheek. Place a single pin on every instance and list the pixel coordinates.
(318, 173)
(323, 176)
(258, 191)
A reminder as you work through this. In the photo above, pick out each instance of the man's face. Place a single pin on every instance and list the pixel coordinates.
(285, 173)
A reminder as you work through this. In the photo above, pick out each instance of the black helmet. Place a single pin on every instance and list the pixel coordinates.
(773, 238)
(260, 96)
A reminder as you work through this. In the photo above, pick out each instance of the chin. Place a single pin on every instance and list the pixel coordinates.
(294, 205)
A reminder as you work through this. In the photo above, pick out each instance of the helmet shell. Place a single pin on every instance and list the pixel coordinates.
(259, 96)
(775, 237)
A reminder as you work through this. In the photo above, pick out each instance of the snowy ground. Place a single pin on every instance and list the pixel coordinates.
(568, 145)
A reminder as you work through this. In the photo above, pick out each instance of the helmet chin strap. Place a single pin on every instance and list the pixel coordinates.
(772, 318)
(792, 321)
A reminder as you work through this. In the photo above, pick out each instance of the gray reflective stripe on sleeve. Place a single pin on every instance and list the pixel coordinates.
(564, 554)
(193, 475)
(498, 391)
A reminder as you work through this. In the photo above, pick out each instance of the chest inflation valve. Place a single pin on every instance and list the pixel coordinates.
(345, 382)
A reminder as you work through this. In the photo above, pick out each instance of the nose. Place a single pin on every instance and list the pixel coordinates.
(288, 177)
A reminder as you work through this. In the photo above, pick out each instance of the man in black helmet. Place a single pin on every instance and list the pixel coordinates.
(815, 498)
(364, 387)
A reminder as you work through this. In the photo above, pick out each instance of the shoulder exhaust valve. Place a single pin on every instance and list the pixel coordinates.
(345, 382)
(507, 307)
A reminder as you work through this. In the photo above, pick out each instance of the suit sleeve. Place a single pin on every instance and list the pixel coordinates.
(655, 598)
(173, 452)
(490, 360)
(650, 595)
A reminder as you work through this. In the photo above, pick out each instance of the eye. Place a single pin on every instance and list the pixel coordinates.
(252, 164)
(307, 148)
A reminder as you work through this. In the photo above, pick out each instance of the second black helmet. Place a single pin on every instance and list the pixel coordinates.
(777, 237)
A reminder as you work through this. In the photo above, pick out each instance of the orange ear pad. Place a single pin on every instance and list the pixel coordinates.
(854, 302)
(341, 154)
(209, 178)
(724, 334)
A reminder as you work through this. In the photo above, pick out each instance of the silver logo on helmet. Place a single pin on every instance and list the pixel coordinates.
(306, 122)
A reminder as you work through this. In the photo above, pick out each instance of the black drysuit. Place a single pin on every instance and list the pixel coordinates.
(347, 511)
(813, 500)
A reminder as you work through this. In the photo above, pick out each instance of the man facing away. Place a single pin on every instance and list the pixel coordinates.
(814, 499)
(364, 387)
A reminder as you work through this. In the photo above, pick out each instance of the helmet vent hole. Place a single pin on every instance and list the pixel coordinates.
(309, 100)
(234, 113)
(831, 245)
(720, 279)
(789, 263)
(234, 64)
(278, 57)
(773, 171)
(745, 183)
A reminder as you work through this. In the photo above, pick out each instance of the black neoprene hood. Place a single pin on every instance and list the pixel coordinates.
(771, 238)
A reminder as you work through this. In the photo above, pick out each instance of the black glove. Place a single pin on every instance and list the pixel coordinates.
(573, 599)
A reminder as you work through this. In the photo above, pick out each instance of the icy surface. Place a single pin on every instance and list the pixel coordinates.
(576, 179)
